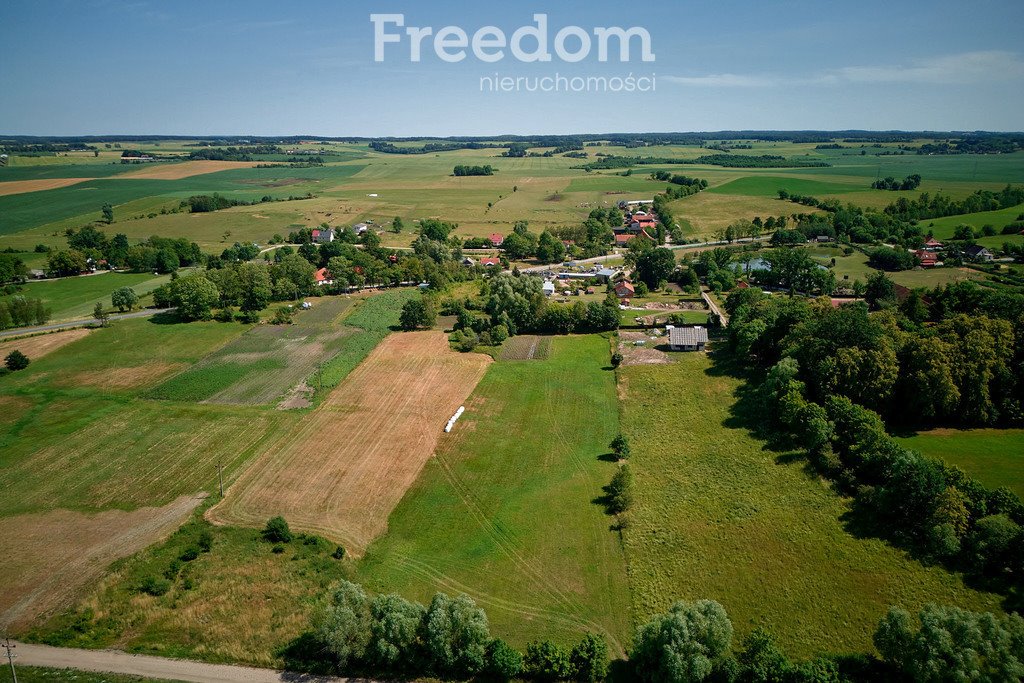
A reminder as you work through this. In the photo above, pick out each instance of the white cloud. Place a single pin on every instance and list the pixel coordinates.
(960, 69)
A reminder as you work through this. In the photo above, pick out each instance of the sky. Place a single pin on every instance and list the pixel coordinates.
(259, 67)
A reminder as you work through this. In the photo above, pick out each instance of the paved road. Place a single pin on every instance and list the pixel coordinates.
(674, 247)
(68, 324)
(112, 661)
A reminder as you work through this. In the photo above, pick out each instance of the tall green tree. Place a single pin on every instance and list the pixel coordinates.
(682, 645)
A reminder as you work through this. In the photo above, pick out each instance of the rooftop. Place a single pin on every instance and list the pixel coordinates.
(687, 336)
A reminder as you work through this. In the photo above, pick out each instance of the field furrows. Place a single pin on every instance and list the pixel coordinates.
(342, 470)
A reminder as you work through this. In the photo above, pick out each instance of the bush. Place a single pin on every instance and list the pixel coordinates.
(224, 315)
(152, 585)
(16, 360)
(620, 491)
(339, 553)
(277, 531)
(205, 541)
(277, 549)
(282, 316)
(547, 662)
(620, 447)
(189, 555)
(616, 359)
(503, 661)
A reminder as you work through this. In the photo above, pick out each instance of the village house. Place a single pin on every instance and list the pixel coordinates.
(548, 287)
(496, 239)
(932, 244)
(624, 290)
(976, 252)
(360, 228)
(687, 338)
(490, 261)
(928, 259)
(323, 277)
(323, 235)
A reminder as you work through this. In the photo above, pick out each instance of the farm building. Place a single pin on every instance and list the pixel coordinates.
(929, 259)
(606, 274)
(360, 228)
(323, 277)
(687, 338)
(977, 253)
(323, 235)
(624, 290)
(548, 287)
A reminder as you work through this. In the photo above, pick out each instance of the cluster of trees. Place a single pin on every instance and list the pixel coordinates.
(887, 258)
(244, 153)
(462, 170)
(90, 246)
(511, 304)
(685, 185)
(428, 148)
(19, 311)
(12, 269)
(516, 150)
(794, 270)
(449, 639)
(693, 642)
(975, 145)
(592, 238)
(911, 182)
(835, 373)
(205, 203)
(714, 266)
(926, 206)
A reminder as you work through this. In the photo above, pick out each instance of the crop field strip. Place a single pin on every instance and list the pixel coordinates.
(346, 465)
(529, 441)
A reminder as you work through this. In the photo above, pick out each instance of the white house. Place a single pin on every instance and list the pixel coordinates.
(548, 287)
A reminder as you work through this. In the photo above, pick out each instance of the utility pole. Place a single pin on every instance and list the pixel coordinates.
(10, 658)
(220, 477)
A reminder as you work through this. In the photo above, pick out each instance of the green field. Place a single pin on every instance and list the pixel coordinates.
(74, 297)
(504, 512)
(719, 516)
(38, 674)
(995, 457)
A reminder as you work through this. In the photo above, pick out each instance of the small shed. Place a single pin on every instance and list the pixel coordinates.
(688, 338)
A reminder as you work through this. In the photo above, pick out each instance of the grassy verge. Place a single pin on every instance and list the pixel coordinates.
(718, 516)
(506, 510)
(41, 674)
(995, 457)
(238, 602)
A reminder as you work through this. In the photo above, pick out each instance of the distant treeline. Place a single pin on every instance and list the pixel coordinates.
(473, 170)
(204, 203)
(964, 141)
(430, 147)
(911, 182)
(233, 153)
(35, 147)
(725, 160)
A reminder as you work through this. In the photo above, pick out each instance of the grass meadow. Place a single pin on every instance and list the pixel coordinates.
(995, 457)
(718, 516)
(75, 297)
(505, 512)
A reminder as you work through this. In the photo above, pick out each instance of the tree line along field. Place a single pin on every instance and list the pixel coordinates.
(720, 516)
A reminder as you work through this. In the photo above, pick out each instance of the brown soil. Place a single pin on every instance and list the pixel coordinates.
(342, 470)
(641, 355)
(21, 186)
(125, 378)
(38, 346)
(51, 558)
(186, 169)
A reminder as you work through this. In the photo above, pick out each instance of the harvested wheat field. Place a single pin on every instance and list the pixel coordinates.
(50, 558)
(22, 186)
(185, 169)
(343, 469)
(38, 346)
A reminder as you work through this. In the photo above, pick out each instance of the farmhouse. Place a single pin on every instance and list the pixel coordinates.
(360, 228)
(687, 338)
(548, 287)
(490, 261)
(496, 239)
(932, 244)
(977, 253)
(929, 259)
(323, 277)
(624, 290)
(323, 235)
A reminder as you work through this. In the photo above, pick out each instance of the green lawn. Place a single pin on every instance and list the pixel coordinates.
(74, 297)
(504, 512)
(718, 516)
(38, 674)
(995, 457)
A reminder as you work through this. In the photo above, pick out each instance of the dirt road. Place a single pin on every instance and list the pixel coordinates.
(112, 661)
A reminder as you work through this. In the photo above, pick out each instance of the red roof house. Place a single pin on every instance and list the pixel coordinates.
(490, 261)
(496, 239)
(323, 277)
(622, 239)
(932, 243)
(624, 290)
(929, 259)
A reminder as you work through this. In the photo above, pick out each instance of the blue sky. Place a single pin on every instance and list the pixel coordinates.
(307, 67)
